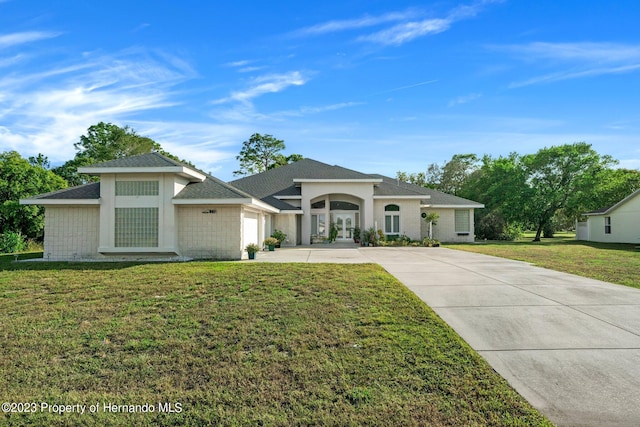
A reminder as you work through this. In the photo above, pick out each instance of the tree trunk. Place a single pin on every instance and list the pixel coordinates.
(538, 233)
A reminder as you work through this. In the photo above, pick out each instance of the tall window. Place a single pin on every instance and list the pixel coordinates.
(136, 228)
(462, 221)
(392, 219)
(318, 225)
(607, 225)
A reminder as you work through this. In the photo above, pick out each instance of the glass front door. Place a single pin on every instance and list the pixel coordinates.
(344, 224)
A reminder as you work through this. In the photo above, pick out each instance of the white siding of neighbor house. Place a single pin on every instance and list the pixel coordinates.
(445, 230)
(409, 215)
(625, 224)
(71, 233)
(210, 235)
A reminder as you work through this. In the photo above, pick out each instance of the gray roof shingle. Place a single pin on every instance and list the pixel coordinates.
(392, 186)
(279, 181)
(211, 188)
(148, 160)
(81, 192)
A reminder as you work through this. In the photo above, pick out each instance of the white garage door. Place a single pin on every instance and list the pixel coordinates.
(250, 228)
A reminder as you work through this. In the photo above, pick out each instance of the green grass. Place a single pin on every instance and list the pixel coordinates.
(238, 344)
(615, 263)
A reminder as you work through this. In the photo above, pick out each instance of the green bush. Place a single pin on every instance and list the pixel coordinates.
(511, 232)
(11, 242)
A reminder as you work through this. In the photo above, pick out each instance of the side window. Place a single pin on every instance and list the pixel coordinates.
(462, 221)
(392, 219)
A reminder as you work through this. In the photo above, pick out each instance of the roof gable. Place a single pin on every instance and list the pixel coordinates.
(608, 210)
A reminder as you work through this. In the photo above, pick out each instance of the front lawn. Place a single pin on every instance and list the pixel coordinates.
(236, 344)
(615, 263)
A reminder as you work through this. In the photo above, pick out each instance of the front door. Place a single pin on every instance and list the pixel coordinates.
(344, 223)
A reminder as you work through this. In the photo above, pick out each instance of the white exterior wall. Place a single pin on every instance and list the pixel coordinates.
(210, 235)
(409, 215)
(625, 224)
(287, 224)
(445, 230)
(582, 231)
(169, 185)
(71, 233)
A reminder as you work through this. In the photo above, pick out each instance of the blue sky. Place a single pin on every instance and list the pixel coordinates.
(376, 86)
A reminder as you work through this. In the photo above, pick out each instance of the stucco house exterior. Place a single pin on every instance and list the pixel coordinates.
(151, 205)
(619, 223)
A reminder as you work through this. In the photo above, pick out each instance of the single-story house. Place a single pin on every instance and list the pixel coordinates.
(619, 223)
(153, 205)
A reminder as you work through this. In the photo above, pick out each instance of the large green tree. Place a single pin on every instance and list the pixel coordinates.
(558, 174)
(21, 178)
(262, 152)
(501, 185)
(531, 190)
(104, 142)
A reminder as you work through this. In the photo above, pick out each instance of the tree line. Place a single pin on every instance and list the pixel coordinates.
(546, 191)
(23, 178)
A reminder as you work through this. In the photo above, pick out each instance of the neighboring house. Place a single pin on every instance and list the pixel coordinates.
(150, 205)
(619, 223)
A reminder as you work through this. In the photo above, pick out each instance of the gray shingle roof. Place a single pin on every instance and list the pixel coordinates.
(148, 160)
(87, 191)
(211, 188)
(392, 186)
(279, 181)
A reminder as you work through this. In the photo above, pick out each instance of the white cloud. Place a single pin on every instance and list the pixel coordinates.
(408, 31)
(580, 51)
(13, 60)
(14, 39)
(575, 60)
(270, 83)
(464, 99)
(50, 109)
(554, 77)
(350, 24)
(411, 30)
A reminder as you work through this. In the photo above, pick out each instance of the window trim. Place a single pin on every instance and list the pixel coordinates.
(607, 225)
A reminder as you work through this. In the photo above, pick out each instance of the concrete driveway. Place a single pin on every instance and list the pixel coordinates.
(569, 345)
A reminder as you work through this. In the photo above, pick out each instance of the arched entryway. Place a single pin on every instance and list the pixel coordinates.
(340, 211)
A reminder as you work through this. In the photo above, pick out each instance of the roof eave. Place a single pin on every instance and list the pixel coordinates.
(328, 180)
(436, 206)
(59, 202)
(231, 201)
(416, 197)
